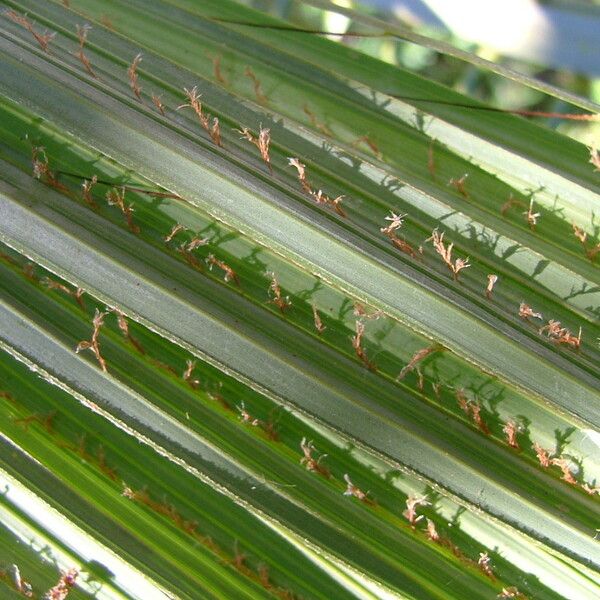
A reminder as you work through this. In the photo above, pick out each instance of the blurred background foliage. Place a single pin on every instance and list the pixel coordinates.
(554, 41)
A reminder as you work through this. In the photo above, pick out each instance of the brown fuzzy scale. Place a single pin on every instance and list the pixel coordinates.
(542, 454)
(510, 203)
(352, 490)
(445, 252)
(82, 32)
(282, 302)
(564, 465)
(43, 39)
(511, 429)
(365, 139)
(311, 463)
(41, 169)
(260, 97)
(322, 127)
(124, 327)
(418, 357)
(491, 282)
(133, 77)
(44, 421)
(229, 273)
(410, 514)
(94, 344)
(87, 191)
(116, 197)
(55, 285)
(317, 320)
(431, 160)
(160, 107)
(357, 345)
(460, 185)
(262, 142)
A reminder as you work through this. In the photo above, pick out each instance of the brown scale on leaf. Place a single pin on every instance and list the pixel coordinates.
(106, 21)
(263, 577)
(195, 242)
(418, 357)
(214, 130)
(260, 97)
(526, 312)
(41, 169)
(217, 72)
(360, 310)
(269, 428)
(311, 463)
(318, 196)
(262, 142)
(352, 490)
(561, 335)
(238, 561)
(581, 235)
(246, 417)
(277, 298)
(190, 258)
(390, 231)
(317, 320)
(29, 272)
(510, 203)
(460, 185)
(82, 33)
(229, 273)
(21, 585)
(336, 203)
(110, 472)
(216, 396)
(410, 513)
(94, 344)
(565, 466)
(431, 160)
(491, 282)
(322, 127)
(542, 454)
(116, 197)
(43, 39)
(7, 396)
(171, 513)
(366, 139)
(187, 374)
(431, 533)
(87, 186)
(133, 77)
(531, 217)
(358, 348)
(591, 490)
(195, 104)
(177, 228)
(455, 267)
(510, 430)
(55, 285)
(44, 420)
(8, 259)
(472, 409)
(511, 592)
(65, 584)
(485, 565)
(124, 327)
(160, 107)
